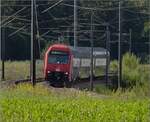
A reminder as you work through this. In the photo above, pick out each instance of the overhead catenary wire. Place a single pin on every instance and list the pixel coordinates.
(22, 5)
(13, 14)
(16, 31)
(23, 32)
(144, 13)
(15, 18)
(22, 19)
(131, 20)
(6, 16)
(53, 6)
(100, 9)
(70, 0)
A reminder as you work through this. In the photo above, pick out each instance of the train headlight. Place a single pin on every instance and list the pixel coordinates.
(66, 73)
(48, 72)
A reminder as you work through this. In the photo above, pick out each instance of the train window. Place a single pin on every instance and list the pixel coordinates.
(58, 57)
(55, 52)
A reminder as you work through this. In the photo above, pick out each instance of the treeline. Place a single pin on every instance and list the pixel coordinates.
(55, 24)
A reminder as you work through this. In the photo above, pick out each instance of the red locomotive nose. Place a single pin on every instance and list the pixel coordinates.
(58, 68)
(57, 63)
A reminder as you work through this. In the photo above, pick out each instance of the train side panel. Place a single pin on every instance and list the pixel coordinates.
(82, 62)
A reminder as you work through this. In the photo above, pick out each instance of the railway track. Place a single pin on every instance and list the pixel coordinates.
(16, 82)
(80, 83)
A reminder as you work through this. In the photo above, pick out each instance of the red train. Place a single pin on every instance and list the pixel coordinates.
(64, 64)
(57, 64)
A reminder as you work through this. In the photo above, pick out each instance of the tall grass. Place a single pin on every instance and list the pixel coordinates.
(21, 69)
(131, 69)
(135, 75)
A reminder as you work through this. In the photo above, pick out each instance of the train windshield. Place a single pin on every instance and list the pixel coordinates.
(58, 57)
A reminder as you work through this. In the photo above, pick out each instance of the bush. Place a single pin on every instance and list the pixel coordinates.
(132, 71)
(114, 66)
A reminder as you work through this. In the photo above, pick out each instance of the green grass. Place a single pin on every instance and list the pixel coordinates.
(40, 104)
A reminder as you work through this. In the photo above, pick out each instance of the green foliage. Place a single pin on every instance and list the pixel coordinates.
(27, 104)
(134, 73)
(114, 66)
(147, 27)
(131, 69)
(137, 92)
(102, 89)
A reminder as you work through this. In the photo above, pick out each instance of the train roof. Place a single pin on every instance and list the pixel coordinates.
(83, 52)
(86, 51)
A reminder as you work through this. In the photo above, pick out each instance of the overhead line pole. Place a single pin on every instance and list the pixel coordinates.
(119, 48)
(2, 45)
(3, 53)
(92, 50)
(149, 32)
(107, 52)
(75, 23)
(37, 31)
(33, 43)
(1, 36)
(130, 43)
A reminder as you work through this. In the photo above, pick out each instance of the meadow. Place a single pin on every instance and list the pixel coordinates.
(21, 69)
(24, 103)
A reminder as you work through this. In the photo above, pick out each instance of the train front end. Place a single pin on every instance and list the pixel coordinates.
(57, 63)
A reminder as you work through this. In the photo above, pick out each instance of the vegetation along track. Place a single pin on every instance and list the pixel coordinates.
(82, 83)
